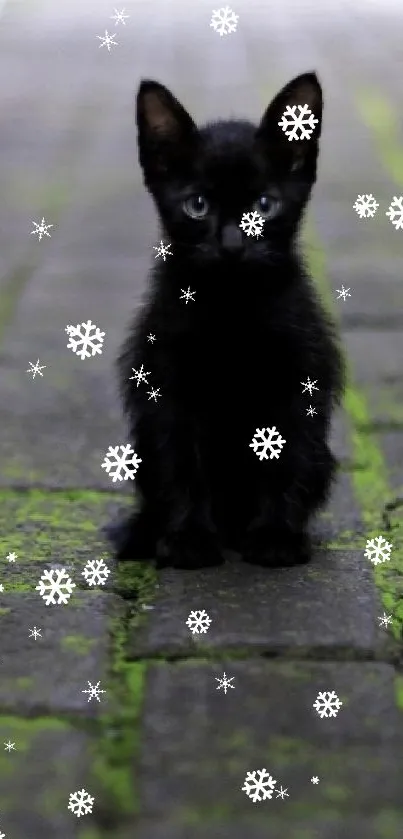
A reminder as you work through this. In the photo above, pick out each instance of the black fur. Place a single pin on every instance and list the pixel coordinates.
(232, 360)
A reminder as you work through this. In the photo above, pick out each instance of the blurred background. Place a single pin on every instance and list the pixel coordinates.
(68, 155)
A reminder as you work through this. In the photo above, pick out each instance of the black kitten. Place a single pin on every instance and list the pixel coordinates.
(238, 328)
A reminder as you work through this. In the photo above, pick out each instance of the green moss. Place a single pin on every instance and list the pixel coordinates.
(23, 682)
(80, 644)
(5, 611)
(380, 116)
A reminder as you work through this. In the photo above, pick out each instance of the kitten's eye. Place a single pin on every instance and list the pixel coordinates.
(266, 206)
(196, 207)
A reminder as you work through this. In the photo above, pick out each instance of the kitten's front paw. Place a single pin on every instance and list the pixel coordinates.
(131, 539)
(189, 549)
(277, 549)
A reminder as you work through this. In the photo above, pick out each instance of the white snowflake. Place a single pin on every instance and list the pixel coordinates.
(343, 292)
(12, 557)
(311, 411)
(35, 633)
(162, 250)
(41, 229)
(85, 336)
(304, 121)
(54, 584)
(96, 572)
(310, 386)
(119, 17)
(154, 394)
(267, 440)
(198, 621)
(252, 224)
(80, 802)
(2, 836)
(282, 793)
(93, 691)
(385, 620)
(259, 785)
(35, 368)
(378, 550)
(107, 40)
(140, 375)
(315, 780)
(365, 206)
(225, 683)
(126, 462)
(224, 21)
(151, 338)
(395, 212)
(1, 587)
(187, 295)
(9, 746)
(327, 704)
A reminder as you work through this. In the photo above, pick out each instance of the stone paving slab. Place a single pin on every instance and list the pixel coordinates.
(329, 604)
(197, 759)
(50, 761)
(48, 675)
(385, 825)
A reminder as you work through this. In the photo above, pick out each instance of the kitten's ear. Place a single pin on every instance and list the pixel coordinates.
(166, 132)
(303, 90)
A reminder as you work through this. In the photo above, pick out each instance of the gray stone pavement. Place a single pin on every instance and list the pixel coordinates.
(164, 753)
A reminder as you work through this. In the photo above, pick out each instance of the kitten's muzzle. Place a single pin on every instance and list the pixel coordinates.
(232, 241)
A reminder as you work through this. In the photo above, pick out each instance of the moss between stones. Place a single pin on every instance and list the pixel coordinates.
(370, 482)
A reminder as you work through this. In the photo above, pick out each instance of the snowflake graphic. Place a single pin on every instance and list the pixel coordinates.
(252, 224)
(1, 587)
(85, 336)
(378, 550)
(96, 572)
(267, 440)
(282, 793)
(311, 411)
(126, 462)
(12, 557)
(2, 836)
(224, 21)
(107, 40)
(198, 621)
(162, 250)
(365, 206)
(54, 584)
(80, 802)
(225, 683)
(304, 121)
(119, 17)
(35, 633)
(259, 785)
(310, 386)
(41, 229)
(140, 375)
(93, 691)
(315, 780)
(35, 368)
(154, 394)
(385, 620)
(187, 295)
(9, 746)
(343, 292)
(151, 338)
(327, 704)
(395, 212)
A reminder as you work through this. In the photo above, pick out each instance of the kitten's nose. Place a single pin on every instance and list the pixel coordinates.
(231, 239)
